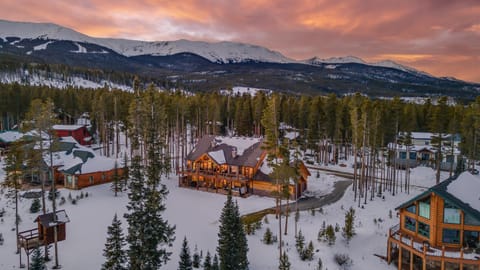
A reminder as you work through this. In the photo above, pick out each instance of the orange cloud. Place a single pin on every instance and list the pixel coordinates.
(432, 35)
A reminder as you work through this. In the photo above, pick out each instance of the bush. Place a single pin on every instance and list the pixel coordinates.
(35, 207)
(268, 237)
(343, 260)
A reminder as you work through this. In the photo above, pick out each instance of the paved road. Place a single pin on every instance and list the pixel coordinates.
(316, 202)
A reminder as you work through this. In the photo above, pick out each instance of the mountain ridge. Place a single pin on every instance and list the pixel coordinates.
(218, 52)
(203, 66)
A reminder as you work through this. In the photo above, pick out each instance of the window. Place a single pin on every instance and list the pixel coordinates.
(403, 155)
(90, 179)
(424, 208)
(450, 158)
(424, 229)
(410, 224)
(451, 214)
(413, 155)
(412, 209)
(451, 236)
(470, 239)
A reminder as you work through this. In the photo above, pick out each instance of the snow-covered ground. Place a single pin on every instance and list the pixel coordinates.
(196, 216)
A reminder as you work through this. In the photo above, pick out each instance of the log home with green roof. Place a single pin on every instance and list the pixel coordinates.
(439, 228)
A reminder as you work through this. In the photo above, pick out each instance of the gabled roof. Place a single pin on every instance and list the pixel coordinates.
(461, 190)
(239, 151)
(47, 219)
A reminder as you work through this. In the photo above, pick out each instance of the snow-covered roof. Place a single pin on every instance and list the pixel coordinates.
(69, 139)
(98, 164)
(218, 156)
(466, 188)
(461, 190)
(241, 143)
(67, 127)
(10, 136)
(291, 135)
(266, 168)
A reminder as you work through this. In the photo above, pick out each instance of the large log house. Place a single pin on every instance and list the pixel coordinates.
(440, 228)
(220, 164)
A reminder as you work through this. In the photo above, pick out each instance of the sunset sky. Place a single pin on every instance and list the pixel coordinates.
(441, 37)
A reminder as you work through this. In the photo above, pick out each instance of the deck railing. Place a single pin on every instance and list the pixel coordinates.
(425, 251)
(29, 239)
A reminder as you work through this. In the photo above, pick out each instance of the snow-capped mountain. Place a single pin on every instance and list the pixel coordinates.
(220, 52)
(357, 60)
(334, 60)
(199, 66)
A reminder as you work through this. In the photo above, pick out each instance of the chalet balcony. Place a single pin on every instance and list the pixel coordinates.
(30, 239)
(411, 253)
(212, 174)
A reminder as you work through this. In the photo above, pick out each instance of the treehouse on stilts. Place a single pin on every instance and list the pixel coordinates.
(44, 233)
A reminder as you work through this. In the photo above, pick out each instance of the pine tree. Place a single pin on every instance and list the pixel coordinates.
(196, 258)
(135, 216)
(232, 242)
(37, 263)
(207, 263)
(149, 234)
(348, 231)
(284, 262)
(267, 237)
(215, 264)
(113, 252)
(13, 168)
(330, 235)
(35, 207)
(116, 181)
(300, 242)
(307, 253)
(185, 262)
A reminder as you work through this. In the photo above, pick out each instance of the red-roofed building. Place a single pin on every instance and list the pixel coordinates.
(78, 132)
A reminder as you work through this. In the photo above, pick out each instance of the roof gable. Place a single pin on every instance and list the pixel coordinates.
(460, 190)
(239, 151)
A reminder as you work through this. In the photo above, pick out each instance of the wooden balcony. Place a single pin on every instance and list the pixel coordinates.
(30, 239)
(420, 255)
(212, 175)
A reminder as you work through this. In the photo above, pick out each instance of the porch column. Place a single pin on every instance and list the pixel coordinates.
(442, 261)
(461, 258)
(400, 257)
(389, 247)
(411, 259)
(424, 259)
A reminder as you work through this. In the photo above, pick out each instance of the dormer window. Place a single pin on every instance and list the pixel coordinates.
(424, 208)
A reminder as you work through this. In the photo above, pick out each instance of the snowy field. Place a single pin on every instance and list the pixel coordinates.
(196, 215)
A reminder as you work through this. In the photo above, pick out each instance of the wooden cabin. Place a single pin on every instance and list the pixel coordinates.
(44, 233)
(79, 132)
(219, 164)
(440, 228)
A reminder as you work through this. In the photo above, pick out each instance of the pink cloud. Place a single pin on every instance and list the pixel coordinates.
(370, 29)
